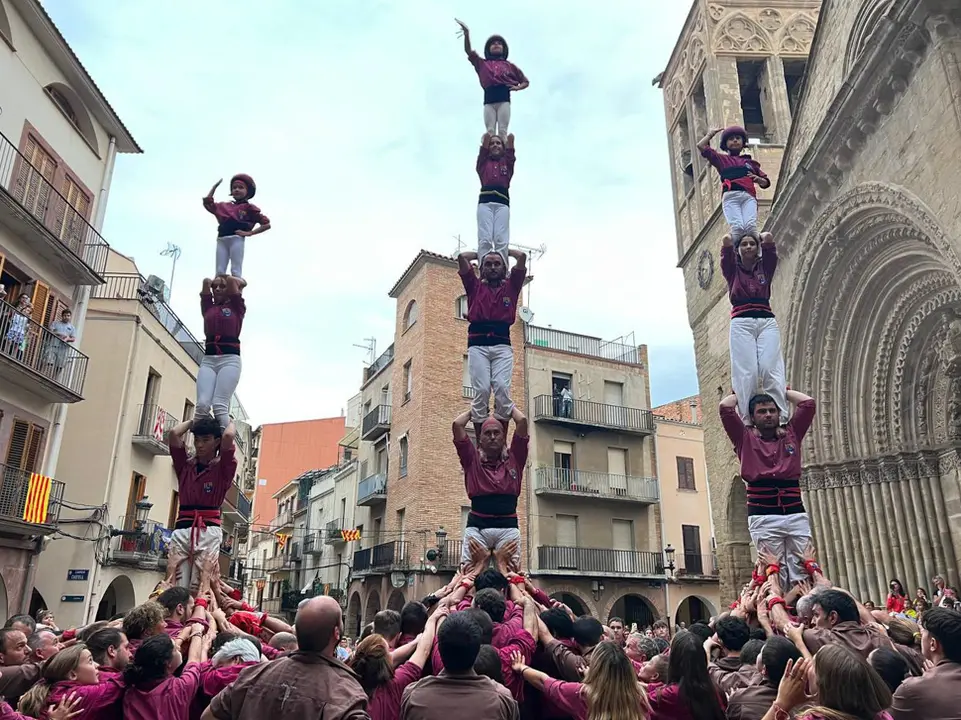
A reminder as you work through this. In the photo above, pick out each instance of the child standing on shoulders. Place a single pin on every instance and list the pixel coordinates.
(498, 77)
(495, 168)
(237, 220)
(739, 173)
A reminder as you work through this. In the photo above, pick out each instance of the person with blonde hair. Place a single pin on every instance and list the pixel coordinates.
(73, 671)
(610, 690)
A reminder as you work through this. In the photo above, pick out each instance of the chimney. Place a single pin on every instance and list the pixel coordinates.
(693, 411)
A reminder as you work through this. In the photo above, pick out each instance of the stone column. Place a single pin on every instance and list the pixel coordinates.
(870, 538)
(925, 538)
(858, 584)
(847, 577)
(947, 559)
(828, 545)
(893, 544)
(724, 95)
(934, 521)
(901, 527)
(774, 101)
(876, 509)
(950, 482)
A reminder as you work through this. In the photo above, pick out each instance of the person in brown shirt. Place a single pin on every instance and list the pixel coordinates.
(754, 701)
(936, 695)
(458, 691)
(16, 674)
(838, 620)
(308, 683)
(727, 672)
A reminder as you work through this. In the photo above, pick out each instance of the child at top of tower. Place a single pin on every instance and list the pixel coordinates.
(236, 221)
(739, 173)
(498, 77)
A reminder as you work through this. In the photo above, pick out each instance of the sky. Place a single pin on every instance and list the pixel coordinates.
(360, 121)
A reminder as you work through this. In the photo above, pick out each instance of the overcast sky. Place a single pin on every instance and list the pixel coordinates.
(359, 120)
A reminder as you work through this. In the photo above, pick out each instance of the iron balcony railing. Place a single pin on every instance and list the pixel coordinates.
(451, 555)
(239, 501)
(34, 347)
(601, 485)
(585, 412)
(697, 564)
(32, 190)
(371, 486)
(145, 543)
(332, 534)
(600, 561)
(362, 560)
(379, 364)
(580, 344)
(282, 520)
(16, 496)
(467, 391)
(292, 599)
(386, 555)
(155, 422)
(312, 544)
(376, 420)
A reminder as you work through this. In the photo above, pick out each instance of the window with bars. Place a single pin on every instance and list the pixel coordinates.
(685, 473)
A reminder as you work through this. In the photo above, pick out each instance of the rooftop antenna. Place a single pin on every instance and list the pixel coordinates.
(370, 345)
(172, 251)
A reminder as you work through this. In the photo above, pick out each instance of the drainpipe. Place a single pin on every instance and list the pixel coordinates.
(26, 592)
(81, 299)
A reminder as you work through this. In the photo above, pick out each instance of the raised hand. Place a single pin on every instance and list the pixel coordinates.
(793, 688)
(69, 707)
(463, 30)
(517, 662)
(214, 188)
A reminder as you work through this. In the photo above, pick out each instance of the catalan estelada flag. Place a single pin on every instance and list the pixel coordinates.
(282, 540)
(349, 535)
(38, 498)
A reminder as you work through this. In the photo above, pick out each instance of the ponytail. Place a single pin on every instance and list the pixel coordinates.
(150, 661)
(53, 670)
(34, 701)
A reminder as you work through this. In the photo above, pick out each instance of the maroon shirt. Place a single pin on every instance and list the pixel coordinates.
(667, 703)
(206, 487)
(234, 216)
(771, 468)
(493, 487)
(733, 170)
(749, 290)
(566, 697)
(492, 310)
(223, 323)
(99, 702)
(495, 175)
(496, 72)
(385, 702)
(168, 699)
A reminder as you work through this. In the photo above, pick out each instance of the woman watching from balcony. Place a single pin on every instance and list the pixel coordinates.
(73, 670)
(15, 339)
(223, 308)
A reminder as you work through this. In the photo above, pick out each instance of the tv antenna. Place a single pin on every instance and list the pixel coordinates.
(370, 345)
(172, 251)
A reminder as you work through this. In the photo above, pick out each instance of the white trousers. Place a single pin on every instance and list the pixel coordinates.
(756, 357)
(491, 369)
(740, 211)
(493, 229)
(217, 381)
(786, 537)
(497, 116)
(208, 543)
(491, 538)
(230, 249)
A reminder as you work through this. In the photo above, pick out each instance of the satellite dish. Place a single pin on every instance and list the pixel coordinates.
(526, 315)
(398, 579)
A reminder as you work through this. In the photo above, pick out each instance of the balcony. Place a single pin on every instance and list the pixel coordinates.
(450, 557)
(314, 544)
(599, 562)
(372, 490)
(284, 520)
(17, 504)
(152, 429)
(602, 486)
(35, 359)
(379, 364)
(283, 562)
(236, 503)
(34, 210)
(385, 557)
(694, 566)
(580, 344)
(145, 550)
(271, 606)
(467, 391)
(332, 532)
(586, 415)
(376, 423)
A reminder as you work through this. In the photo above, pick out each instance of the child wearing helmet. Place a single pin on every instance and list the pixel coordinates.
(498, 77)
(739, 173)
(236, 220)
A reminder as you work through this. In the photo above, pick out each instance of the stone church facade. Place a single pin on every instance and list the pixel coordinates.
(856, 107)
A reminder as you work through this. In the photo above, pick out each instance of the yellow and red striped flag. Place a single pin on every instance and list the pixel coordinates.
(38, 498)
(350, 535)
(282, 540)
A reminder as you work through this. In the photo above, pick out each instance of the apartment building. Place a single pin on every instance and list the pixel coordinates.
(59, 138)
(141, 381)
(687, 523)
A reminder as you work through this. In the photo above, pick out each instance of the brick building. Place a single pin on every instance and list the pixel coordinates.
(868, 286)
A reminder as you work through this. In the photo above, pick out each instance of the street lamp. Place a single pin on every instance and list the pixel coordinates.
(440, 536)
(143, 507)
(669, 559)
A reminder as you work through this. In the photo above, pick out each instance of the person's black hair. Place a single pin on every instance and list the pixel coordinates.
(733, 632)
(900, 585)
(492, 602)
(150, 661)
(558, 622)
(760, 399)
(220, 639)
(387, 623)
(4, 634)
(103, 640)
(172, 597)
(663, 645)
(775, 655)
(459, 642)
(487, 46)
(945, 626)
(890, 665)
(413, 618)
(687, 668)
(587, 631)
(23, 620)
(367, 631)
(94, 627)
(758, 633)
(702, 630)
(750, 650)
(488, 663)
(483, 621)
(207, 427)
(491, 578)
(838, 602)
(614, 620)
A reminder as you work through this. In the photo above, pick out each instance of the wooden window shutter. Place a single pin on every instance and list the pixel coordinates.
(55, 306)
(41, 294)
(17, 450)
(34, 179)
(68, 222)
(34, 454)
(3, 259)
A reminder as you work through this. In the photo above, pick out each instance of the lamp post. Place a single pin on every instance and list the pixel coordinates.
(669, 559)
(441, 536)
(143, 507)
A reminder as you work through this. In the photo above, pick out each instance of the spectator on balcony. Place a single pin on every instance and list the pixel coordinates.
(15, 339)
(63, 334)
(567, 402)
(74, 671)
(203, 482)
(223, 308)
(493, 477)
(237, 221)
(491, 310)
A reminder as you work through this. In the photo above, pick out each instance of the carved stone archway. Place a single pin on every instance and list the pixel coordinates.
(372, 607)
(353, 619)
